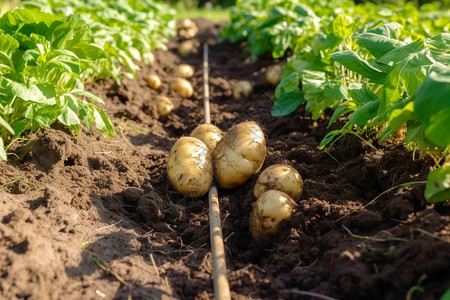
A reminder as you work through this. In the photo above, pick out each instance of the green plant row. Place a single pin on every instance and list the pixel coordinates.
(47, 57)
(384, 68)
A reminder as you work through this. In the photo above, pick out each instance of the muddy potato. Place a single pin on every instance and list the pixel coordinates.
(242, 89)
(208, 134)
(154, 82)
(185, 48)
(273, 74)
(282, 178)
(185, 70)
(268, 211)
(182, 87)
(189, 167)
(164, 105)
(239, 154)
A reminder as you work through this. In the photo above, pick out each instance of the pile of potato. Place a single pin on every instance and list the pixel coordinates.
(232, 159)
(180, 85)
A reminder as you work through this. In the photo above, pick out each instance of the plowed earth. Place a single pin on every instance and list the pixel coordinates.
(105, 222)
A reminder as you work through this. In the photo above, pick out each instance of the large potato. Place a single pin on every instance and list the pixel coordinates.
(189, 167)
(208, 134)
(239, 154)
(268, 211)
(282, 178)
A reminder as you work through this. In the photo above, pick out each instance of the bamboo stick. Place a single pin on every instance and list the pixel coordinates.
(221, 284)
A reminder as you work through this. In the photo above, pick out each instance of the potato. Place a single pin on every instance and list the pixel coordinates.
(186, 48)
(187, 29)
(273, 74)
(242, 89)
(280, 177)
(182, 87)
(154, 82)
(185, 70)
(268, 211)
(164, 105)
(239, 154)
(150, 58)
(208, 134)
(189, 167)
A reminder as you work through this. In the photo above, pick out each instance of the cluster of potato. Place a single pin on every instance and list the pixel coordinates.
(232, 159)
(187, 30)
(180, 85)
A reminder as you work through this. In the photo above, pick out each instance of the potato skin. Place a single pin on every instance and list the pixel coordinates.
(154, 82)
(208, 134)
(273, 74)
(239, 154)
(280, 177)
(189, 167)
(268, 211)
(185, 70)
(182, 87)
(242, 89)
(164, 105)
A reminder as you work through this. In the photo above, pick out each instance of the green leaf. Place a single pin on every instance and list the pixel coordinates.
(438, 185)
(339, 112)
(6, 125)
(365, 113)
(446, 295)
(3, 155)
(287, 103)
(372, 70)
(288, 84)
(380, 40)
(32, 93)
(432, 105)
(361, 93)
(397, 118)
(8, 46)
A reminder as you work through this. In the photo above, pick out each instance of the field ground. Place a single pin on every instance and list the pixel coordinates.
(106, 224)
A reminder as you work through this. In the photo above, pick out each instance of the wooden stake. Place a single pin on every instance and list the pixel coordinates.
(206, 106)
(221, 284)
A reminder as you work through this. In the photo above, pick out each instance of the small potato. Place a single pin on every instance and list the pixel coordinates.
(164, 105)
(186, 48)
(273, 74)
(150, 58)
(280, 177)
(239, 154)
(242, 89)
(189, 167)
(182, 87)
(268, 211)
(154, 82)
(185, 71)
(208, 134)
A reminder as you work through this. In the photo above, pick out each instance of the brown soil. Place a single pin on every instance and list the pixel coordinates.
(105, 222)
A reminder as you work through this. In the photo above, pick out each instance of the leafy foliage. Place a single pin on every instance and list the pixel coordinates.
(381, 66)
(47, 53)
(127, 30)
